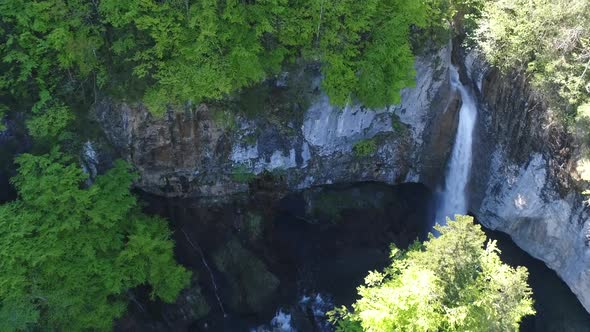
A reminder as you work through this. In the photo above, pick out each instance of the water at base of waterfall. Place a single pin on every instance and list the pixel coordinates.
(314, 306)
(453, 199)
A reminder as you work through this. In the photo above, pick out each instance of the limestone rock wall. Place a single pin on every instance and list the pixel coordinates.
(198, 153)
(523, 168)
(522, 177)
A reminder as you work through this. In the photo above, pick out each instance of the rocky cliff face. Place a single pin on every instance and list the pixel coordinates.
(210, 151)
(522, 181)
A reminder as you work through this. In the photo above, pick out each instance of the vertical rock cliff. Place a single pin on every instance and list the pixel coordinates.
(523, 176)
(214, 150)
(524, 173)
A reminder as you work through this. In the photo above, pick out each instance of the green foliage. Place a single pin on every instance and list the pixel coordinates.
(3, 111)
(195, 49)
(48, 49)
(364, 148)
(68, 253)
(278, 174)
(251, 139)
(449, 283)
(364, 48)
(242, 174)
(190, 51)
(225, 119)
(199, 305)
(397, 125)
(548, 40)
(331, 205)
(250, 282)
(446, 19)
(50, 124)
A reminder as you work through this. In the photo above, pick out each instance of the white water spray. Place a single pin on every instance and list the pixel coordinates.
(454, 196)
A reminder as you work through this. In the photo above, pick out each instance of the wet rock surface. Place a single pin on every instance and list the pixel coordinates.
(311, 250)
(284, 135)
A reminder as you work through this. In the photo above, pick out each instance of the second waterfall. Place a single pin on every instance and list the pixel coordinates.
(453, 199)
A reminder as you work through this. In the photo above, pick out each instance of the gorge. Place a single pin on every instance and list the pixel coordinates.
(414, 142)
(295, 166)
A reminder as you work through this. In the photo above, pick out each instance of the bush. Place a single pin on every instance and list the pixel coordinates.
(242, 174)
(364, 148)
(68, 253)
(397, 125)
(549, 41)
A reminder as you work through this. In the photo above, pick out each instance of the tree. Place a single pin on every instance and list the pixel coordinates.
(448, 17)
(449, 283)
(363, 47)
(69, 253)
(197, 50)
(179, 51)
(547, 40)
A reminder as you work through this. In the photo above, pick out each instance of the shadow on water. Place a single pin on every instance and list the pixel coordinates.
(335, 235)
(320, 241)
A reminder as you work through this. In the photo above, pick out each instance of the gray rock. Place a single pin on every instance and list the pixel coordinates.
(193, 153)
(523, 183)
(251, 286)
(522, 202)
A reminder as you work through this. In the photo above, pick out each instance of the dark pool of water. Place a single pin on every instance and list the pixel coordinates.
(325, 240)
(334, 251)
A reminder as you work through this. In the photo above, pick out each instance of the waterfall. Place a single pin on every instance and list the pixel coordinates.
(454, 196)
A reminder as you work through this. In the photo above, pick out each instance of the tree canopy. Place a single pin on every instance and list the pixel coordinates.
(547, 39)
(69, 253)
(172, 52)
(449, 283)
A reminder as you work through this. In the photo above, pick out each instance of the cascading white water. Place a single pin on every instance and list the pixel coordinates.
(312, 306)
(454, 197)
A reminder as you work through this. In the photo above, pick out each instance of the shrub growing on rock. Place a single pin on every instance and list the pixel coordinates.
(364, 148)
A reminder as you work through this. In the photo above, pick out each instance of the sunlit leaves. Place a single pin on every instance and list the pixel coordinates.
(197, 50)
(450, 283)
(51, 123)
